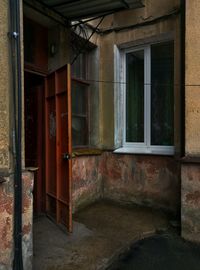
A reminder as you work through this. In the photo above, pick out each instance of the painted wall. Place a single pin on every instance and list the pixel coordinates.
(190, 206)
(6, 168)
(132, 37)
(4, 87)
(192, 79)
(86, 181)
(190, 202)
(127, 179)
(149, 180)
(145, 180)
(6, 188)
(7, 218)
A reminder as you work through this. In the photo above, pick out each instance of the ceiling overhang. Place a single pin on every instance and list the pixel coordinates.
(73, 10)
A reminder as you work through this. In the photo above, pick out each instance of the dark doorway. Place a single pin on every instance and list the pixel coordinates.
(34, 135)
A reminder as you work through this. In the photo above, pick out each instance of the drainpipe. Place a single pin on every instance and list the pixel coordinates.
(17, 99)
(182, 74)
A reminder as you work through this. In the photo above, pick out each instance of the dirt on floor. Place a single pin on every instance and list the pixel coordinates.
(101, 233)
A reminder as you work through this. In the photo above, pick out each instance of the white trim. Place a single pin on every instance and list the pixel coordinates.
(146, 147)
(153, 150)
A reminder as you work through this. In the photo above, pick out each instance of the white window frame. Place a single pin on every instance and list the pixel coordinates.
(146, 147)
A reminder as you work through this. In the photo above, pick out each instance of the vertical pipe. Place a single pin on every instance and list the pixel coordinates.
(17, 95)
(182, 75)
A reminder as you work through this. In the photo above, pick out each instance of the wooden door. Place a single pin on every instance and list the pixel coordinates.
(58, 146)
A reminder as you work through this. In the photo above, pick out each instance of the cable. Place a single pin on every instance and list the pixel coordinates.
(86, 42)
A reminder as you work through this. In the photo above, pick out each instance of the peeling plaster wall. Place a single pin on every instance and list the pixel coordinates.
(127, 179)
(6, 189)
(7, 219)
(4, 85)
(190, 172)
(6, 224)
(149, 180)
(145, 180)
(192, 80)
(86, 181)
(190, 202)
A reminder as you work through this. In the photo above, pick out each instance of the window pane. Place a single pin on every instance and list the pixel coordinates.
(162, 80)
(79, 66)
(79, 98)
(79, 114)
(79, 131)
(135, 96)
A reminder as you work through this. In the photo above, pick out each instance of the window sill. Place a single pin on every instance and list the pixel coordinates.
(86, 152)
(165, 151)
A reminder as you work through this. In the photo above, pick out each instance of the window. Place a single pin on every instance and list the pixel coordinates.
(79, 102)
(149, 99)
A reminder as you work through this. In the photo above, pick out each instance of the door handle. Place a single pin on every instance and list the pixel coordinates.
(66, 156)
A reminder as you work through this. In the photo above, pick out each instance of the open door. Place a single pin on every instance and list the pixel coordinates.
(58, 146)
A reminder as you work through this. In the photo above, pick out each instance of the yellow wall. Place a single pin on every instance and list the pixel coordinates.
(4, 85)
(192, 81)
(152, 10)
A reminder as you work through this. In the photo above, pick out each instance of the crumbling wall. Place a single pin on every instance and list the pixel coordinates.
(86, 181)
(7, 219)
(127, 179)
(144, 180)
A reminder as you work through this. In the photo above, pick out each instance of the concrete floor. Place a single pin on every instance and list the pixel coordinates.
(165, 251)
(101, 233)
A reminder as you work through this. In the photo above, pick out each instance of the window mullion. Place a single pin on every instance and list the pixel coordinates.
(148, 96)
(124, 96)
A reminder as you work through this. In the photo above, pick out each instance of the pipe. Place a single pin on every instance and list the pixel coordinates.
(182, 74)
(17, 92)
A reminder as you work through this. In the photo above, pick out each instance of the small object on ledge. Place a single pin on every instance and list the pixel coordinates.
(2, 179)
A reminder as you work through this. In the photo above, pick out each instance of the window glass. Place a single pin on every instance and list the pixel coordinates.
(79, 103)
(79, 131)
(79, 98)
(79, 66)
(135, 96)
(162, 80)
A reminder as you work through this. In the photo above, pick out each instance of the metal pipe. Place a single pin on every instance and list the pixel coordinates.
(182, 74)
(17, 91)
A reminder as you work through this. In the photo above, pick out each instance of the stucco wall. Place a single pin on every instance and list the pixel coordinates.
(132, 37)
(192, 79)
(86, 181)
(127, 179)
(190, 201)
(7, 218)
(190, 172)
(6, 188)
(4, 85)
(145, 180)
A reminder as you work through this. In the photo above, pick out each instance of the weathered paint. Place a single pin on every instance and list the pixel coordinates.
(6, 224)
(190, 173)
(27, 244)
(192, 81)
(86, 181)
(138, 36)
(127, 179)
(190, 201)
(7, 218)
(145, 180)
(4, 85)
